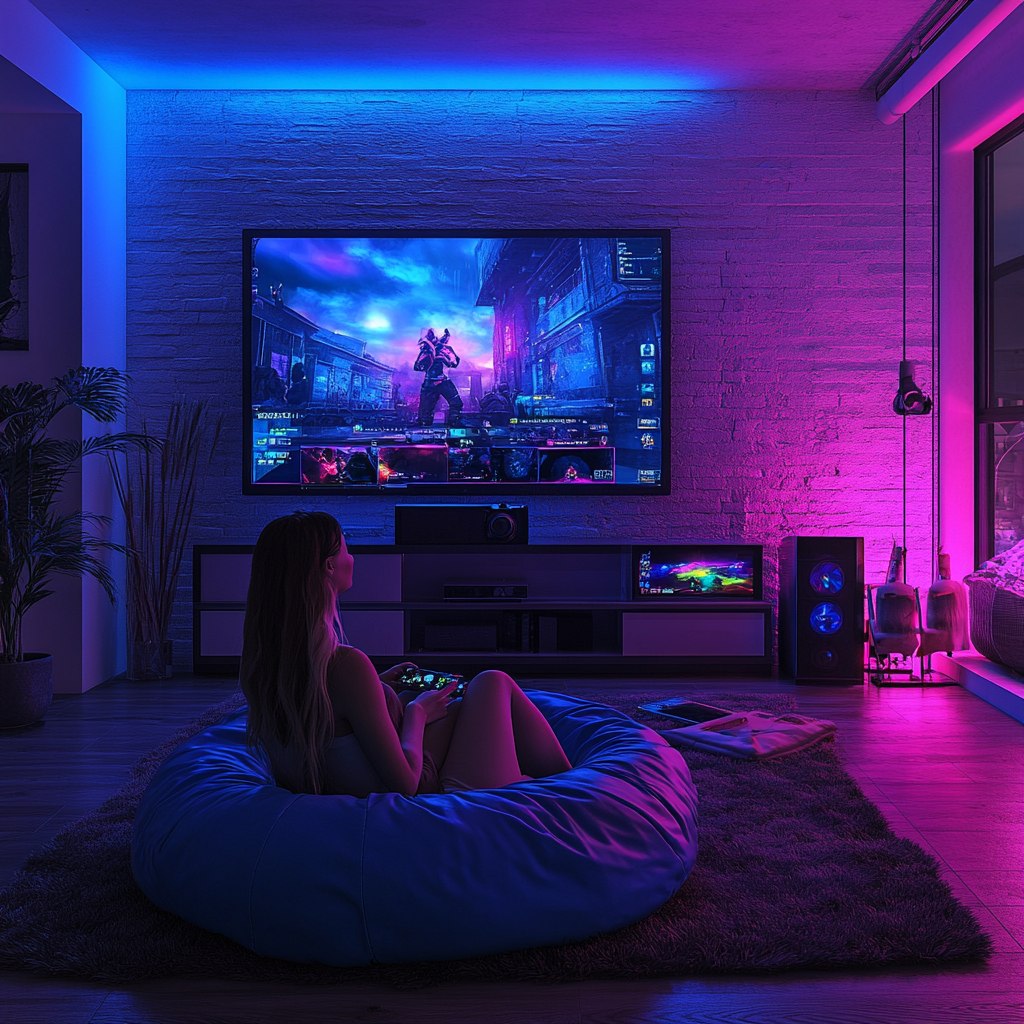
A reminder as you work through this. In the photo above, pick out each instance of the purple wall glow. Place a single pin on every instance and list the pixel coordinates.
(981, 95)
(89, 643)
(785, 211)
(51, 144)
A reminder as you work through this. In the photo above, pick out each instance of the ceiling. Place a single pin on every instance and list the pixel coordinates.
(488, 44)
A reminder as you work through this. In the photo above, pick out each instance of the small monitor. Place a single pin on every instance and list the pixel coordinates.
(697, 572)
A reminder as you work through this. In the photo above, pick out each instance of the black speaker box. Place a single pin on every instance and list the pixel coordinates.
(462, 524)
(821, 609)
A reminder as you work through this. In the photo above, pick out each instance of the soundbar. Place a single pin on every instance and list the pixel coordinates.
(462, 524)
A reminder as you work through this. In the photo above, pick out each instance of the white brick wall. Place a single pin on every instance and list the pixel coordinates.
(785, 210)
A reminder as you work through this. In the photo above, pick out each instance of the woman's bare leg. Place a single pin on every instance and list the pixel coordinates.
(500, 736)
(437, 736)
(537, 746)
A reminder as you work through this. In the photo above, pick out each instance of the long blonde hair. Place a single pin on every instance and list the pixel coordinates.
(291, 631)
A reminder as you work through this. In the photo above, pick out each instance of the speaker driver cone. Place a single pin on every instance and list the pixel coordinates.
(826, 618)
(826, 660)
(501, 526)
(827, 578)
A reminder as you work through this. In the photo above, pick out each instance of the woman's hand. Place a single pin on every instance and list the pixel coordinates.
(434, 703)
(393, 673)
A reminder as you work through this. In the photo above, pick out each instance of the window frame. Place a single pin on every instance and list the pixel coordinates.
(987, 414)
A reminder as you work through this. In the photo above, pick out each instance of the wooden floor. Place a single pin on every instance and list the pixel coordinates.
(946, 768)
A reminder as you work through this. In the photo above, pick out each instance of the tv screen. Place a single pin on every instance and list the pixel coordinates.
(697, 572)
(513, 362)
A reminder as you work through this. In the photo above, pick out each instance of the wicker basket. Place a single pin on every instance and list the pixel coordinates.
(997, 621)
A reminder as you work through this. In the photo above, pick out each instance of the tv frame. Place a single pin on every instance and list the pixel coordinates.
(485, 491)
(755, 550)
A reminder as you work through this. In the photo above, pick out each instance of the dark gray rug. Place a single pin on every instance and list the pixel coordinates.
(797, 870)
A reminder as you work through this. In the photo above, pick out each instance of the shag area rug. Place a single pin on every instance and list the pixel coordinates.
(797, 869)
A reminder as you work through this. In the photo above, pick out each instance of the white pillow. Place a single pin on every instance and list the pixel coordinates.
(1009, 563)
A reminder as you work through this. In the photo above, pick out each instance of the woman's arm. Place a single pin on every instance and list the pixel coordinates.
(357, 695)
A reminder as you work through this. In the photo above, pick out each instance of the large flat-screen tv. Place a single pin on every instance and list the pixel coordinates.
(469, 363)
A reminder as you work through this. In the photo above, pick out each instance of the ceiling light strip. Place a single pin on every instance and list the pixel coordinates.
(973, 24)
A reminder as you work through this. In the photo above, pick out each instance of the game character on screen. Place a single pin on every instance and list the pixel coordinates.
(435, 354)
(319, 465)
(298, 392)
(359, 470)
(267, 388)
(498, 400)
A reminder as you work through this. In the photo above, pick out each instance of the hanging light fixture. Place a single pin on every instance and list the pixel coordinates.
(910, 399)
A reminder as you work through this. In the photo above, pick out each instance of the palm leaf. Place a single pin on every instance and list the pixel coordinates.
(99, 391)
(20, 399)
(37, 542)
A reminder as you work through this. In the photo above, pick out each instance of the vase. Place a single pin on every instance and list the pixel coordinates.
(26, 689)
(149, 659)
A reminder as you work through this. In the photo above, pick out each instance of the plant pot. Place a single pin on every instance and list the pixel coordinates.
(149, 660)
(26, 689)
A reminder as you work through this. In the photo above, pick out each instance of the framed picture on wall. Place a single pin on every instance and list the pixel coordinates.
(13, 256)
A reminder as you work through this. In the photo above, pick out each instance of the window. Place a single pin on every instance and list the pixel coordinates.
(999, 176)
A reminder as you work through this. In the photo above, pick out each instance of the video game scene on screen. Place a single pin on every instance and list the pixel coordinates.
(404, 361)
(677, 571)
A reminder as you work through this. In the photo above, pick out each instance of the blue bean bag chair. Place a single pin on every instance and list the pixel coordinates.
(394, 879)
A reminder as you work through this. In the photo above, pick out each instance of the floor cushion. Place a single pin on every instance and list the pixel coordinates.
(393, 879)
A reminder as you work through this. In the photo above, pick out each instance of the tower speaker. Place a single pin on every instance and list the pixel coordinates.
(821, 609)
(462, 524)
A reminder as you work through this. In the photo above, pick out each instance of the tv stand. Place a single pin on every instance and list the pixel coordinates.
(578, 617)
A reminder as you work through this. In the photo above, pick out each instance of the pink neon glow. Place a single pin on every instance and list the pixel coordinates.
(963, 35)
(976, 137)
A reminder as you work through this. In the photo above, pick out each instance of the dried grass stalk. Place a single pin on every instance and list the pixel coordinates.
(157, 488)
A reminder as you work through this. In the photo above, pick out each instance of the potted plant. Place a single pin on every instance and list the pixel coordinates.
(39, 539)
(157, 486)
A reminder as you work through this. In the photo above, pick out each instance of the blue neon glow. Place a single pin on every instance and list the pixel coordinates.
(144, 75)
(827, 578)
(826, 618)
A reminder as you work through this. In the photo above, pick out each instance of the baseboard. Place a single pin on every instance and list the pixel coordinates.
(996, 684)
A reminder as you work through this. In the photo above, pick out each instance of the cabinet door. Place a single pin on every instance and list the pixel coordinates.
(220, 633)
(686, 634)
(375, 632)
(376, 579)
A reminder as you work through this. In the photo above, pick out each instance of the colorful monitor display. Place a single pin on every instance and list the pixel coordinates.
(728, 572)
(523, 362)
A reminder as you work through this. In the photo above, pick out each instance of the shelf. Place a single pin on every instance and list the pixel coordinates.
(531, 605)
(579, 618)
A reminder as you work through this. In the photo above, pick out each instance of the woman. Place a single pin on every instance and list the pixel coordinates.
(330, 724)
